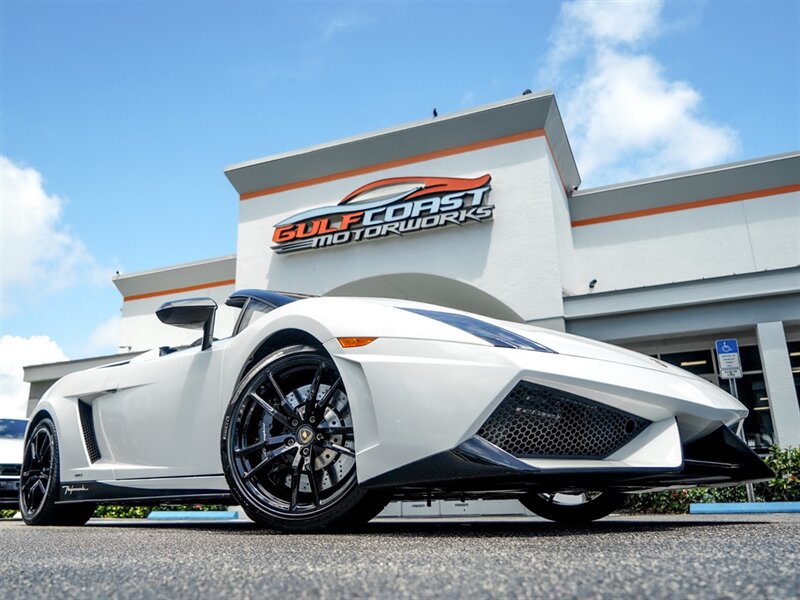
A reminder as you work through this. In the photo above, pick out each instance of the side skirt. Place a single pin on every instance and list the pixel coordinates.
(93, 491)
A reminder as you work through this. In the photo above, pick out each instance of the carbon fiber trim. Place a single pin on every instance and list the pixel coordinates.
(87, 426)
(93, 491)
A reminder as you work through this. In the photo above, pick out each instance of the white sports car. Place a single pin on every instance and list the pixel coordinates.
(318, 411)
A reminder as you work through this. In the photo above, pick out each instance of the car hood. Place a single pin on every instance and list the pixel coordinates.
(11, 451)
(560, 342)
(573, 345)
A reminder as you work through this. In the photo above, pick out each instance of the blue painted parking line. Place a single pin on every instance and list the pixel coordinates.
(743, 508)
(193, 514)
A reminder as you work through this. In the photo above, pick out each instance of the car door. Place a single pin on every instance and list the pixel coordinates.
(164, 418)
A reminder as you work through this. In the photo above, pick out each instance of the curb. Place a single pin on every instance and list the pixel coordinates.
(743, 508)
(203, 515)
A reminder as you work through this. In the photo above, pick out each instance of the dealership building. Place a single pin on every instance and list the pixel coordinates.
(665, 266)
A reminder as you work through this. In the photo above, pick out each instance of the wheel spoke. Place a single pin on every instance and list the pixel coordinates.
(269, 458)
(35, 447)
(272, 442)
(326, 399)
(336, 430)
(29, 499)
(270, 410)
(294, 486)
(295, 482)
(312, 480)
(311, 395)
(44, 445)
(337, 447)
(28, 485)
(287, 407)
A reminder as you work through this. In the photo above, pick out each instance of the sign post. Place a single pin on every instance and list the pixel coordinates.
(730, 368)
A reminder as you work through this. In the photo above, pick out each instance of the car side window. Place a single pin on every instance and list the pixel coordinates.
(253, 311)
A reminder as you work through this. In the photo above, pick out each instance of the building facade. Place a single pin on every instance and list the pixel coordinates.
(480, 211)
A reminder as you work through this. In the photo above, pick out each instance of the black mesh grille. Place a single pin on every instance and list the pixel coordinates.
(87, 425)
(535, 421)
(9, 470)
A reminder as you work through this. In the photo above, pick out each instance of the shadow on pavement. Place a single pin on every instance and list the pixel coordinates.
(468, 528)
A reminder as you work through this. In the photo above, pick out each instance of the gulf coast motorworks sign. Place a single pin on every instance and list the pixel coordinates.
(387, 207)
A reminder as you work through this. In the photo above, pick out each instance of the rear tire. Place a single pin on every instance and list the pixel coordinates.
(584, 508)
(288, 445)
(40, 482)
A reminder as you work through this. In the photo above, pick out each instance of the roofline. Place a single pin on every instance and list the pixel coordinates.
(514, 120)
(388, 130)
(122, 277)
(62, 368)
(690, 173)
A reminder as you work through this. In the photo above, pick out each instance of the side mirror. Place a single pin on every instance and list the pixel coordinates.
(192, 313)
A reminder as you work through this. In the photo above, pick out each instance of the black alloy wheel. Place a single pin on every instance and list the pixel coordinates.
(570, 508)
(288, 445)
(39, 482)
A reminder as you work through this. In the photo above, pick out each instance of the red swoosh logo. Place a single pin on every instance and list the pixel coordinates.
(430, 185)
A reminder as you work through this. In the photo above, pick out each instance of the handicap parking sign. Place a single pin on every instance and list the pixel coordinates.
(730, 367)
(727, 347)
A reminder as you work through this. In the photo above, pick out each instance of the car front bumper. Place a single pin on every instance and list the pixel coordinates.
(413, 400)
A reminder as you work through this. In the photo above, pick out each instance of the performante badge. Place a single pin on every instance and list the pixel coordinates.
(394, 206)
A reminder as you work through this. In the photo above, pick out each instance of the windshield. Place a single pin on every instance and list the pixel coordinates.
(12, 428)
(252, 312)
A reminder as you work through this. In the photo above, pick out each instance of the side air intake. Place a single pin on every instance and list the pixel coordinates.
(87, 425)
(534, 421)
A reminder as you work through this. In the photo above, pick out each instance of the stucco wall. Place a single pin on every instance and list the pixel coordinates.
(513, 258)
(712, 241)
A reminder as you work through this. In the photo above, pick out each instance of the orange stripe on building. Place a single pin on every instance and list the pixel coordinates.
(525, 135)
(188, 288)
(786, 189)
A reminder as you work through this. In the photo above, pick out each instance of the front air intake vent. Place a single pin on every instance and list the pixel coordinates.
(9, 470)
(534, 421)
(87, 425)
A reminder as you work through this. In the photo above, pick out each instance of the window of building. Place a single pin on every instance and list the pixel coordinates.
(699, 362)
(794, 360)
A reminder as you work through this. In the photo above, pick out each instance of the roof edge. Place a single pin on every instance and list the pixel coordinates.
(690, 173)
(387, 131)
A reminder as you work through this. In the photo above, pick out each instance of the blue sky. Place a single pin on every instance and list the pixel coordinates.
(117, 118)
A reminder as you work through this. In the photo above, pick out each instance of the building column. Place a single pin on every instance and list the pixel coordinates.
(780, 383)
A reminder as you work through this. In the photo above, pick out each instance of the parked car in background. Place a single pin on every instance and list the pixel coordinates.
(12, 433)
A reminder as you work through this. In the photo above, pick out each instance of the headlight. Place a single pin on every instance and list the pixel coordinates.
(496, 336)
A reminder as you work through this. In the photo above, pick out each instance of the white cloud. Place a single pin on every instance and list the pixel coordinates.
(625, 117)
(342, 24)
(15, 353)
(36, 248)
(105, 337)
(468, 98)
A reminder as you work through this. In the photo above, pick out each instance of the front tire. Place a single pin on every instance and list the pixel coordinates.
(288, 445)
(40, 482)
(574, 509)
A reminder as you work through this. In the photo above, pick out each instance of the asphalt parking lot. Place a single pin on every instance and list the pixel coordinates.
(655, 557)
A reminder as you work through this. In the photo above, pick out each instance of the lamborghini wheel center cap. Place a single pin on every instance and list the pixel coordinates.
(305, 434)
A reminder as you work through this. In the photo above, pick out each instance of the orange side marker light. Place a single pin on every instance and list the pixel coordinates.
(355, 342)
